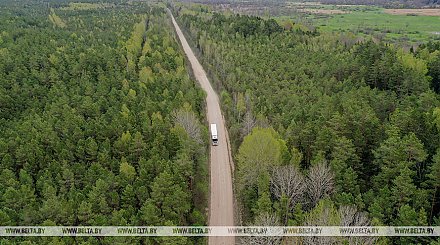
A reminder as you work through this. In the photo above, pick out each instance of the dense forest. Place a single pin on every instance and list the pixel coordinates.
(100, 123)
(325, 130)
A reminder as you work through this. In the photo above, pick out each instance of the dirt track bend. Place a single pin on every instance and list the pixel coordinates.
(221, 200)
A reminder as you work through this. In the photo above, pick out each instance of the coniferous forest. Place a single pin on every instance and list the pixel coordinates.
(100, 122)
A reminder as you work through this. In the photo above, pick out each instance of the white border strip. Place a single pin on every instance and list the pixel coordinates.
(277, 231)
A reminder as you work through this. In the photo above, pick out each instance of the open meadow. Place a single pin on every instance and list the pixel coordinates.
(395, 25)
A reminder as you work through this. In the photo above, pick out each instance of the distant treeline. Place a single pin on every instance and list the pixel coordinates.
(386, 3)
(383, 3)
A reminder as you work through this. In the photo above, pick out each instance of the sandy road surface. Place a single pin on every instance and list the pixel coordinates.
(221, 201)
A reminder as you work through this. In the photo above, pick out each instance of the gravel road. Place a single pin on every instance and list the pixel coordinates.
(221, 212)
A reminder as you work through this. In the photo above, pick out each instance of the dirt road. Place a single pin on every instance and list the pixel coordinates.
(221, 211)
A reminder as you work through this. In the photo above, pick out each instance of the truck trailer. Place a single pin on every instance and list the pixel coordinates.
(214, 135)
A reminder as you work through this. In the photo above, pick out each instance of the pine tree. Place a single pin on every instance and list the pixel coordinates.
(85, 213)
(150, 214)
(170, 198)
(127, 172)
(403, 189)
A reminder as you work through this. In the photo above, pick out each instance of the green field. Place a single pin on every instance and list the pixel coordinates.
(371, 21)
(394, 27)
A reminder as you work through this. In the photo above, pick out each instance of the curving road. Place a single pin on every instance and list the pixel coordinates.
(221, 200)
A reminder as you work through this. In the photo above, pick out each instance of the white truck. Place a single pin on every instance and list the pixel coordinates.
(214, 135)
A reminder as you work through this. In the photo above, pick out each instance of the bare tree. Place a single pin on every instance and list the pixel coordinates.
(289, 182)
(248, 123)
(324, 214)
(320, 182)
(188, 120)
(351, 217)
(265, 219)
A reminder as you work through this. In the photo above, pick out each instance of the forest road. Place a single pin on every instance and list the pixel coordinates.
(221, 212)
